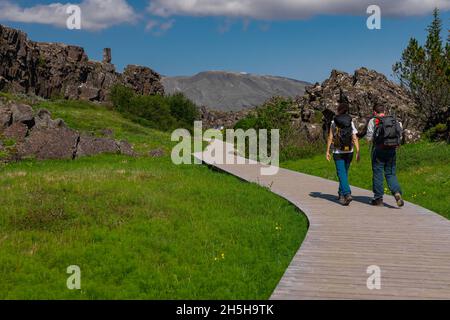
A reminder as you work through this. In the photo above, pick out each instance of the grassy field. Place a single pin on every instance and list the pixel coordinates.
(423, 171)
(139, 228)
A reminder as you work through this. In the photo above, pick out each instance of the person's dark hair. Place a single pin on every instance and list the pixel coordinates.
(342, 108)
(379, 108)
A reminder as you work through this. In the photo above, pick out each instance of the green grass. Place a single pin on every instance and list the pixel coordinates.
(423, 170)
(139, 228)
(90, 117)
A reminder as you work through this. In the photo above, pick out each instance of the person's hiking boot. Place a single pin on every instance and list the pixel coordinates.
(376, 202)
(399, 199)
(348, 199)
(345, 200)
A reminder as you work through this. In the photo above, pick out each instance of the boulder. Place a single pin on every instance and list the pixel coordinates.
(43, 120)
(17, 131)
(56, 143)
(314, 132)
(22, 113)
(107, 132)
(88, 93)
(126, 148)
(5, 116)
(90, 145)
(156, 153)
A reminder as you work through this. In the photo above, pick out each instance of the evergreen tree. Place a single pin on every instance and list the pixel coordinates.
(425, 72)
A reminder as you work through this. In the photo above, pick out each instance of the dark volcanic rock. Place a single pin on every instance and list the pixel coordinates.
(59, 70)
(213, 119)
(43, 120)
(90, 145)
(5, 116)
(156, 153)
(143, 80)
(17, 131)
(22, 113)
(107, 132)
(39, 136)
(126, 148)
(362, 91)
(58, 143)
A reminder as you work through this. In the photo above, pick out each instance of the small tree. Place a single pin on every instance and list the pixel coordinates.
(425, 72)
(183, 109)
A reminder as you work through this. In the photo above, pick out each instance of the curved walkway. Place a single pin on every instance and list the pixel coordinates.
(411, 245)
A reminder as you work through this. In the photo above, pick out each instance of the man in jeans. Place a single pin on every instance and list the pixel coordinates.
(383, 160)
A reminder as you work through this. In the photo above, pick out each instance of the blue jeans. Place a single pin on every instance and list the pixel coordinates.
(384, 161)
(342, 162)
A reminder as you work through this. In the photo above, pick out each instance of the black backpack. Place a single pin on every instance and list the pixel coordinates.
(343, 139)
(388, 132)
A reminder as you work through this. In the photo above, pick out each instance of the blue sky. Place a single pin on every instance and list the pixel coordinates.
(188, 41)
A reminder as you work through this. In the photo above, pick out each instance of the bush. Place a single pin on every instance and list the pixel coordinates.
(156, 111)
(438, 132)
(120, 97)
(246, 123)
(183, 110)
(274, 114)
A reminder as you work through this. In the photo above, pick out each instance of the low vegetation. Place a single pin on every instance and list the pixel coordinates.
(160, 112)
(274, 114)
(139, 228)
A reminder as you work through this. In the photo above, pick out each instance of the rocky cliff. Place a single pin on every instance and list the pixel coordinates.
(59, 70)
(362, 91)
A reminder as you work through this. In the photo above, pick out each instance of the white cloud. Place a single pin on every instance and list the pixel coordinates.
(289, 9)
(159, 27)
(96, 14)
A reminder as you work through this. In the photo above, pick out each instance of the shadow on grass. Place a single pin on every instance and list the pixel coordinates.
(333, 198)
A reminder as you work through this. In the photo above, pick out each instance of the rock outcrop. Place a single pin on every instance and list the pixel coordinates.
(213, 119)
(362, 91)
(58, 70)
(312, 112)
(37, 135)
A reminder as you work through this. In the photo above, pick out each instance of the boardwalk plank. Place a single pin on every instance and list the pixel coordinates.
(411, 245)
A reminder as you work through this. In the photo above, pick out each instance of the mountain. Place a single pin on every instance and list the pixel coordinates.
(232, 91)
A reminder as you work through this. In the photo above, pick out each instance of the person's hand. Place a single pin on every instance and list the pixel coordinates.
(358, 157)
(328, 156)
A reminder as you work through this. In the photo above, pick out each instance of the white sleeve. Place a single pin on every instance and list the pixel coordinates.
(355, 131)
(370, 130)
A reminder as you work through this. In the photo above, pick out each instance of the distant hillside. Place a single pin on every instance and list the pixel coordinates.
(229, 91)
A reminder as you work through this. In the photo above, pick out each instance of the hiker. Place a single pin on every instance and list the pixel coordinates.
(384, 133)
(341, 139)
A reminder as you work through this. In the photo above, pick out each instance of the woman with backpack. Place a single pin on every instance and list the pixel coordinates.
(341, 139)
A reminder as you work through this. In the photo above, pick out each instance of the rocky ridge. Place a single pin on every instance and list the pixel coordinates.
(58, 70)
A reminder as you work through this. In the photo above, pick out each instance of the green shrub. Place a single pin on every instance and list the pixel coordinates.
(156, 111)
(274, 114)
(120, 97)
(246, 123)
(438, 132)
(183, 110)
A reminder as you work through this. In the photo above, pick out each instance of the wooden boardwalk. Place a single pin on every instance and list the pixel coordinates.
(411, 245)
